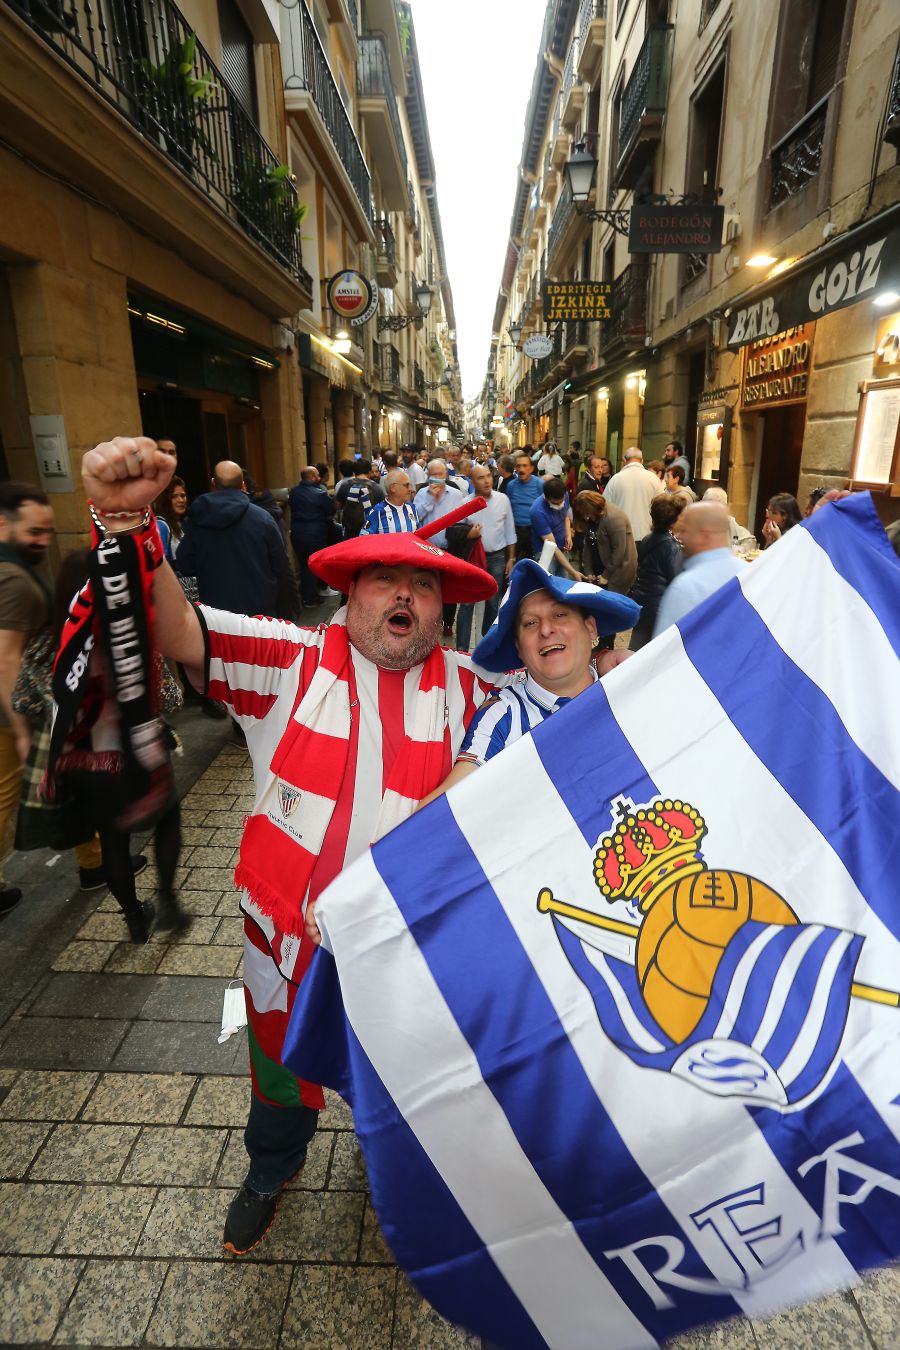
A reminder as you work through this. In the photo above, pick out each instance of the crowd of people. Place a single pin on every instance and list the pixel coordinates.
(334, 715)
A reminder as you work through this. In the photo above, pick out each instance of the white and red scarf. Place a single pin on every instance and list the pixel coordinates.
(280, 849)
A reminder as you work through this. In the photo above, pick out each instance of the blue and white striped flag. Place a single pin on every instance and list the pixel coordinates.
(619, 1017)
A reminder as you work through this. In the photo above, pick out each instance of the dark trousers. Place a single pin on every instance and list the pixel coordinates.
(276, 1139)
(524, 546)
(101, 796)
(496, 565)
(309, 584)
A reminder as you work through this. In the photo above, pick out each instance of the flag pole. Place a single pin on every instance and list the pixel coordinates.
(890, 998)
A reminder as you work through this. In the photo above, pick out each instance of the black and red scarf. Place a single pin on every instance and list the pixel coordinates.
(112, 617)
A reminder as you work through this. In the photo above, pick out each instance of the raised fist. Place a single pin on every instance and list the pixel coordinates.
(126, 474)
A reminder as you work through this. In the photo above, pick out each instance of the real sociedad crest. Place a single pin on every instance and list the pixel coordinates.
(288, 798)
(708, 974)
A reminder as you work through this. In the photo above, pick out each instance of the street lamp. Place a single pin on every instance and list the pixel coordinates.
(581, 171)
(515, 332)
(423, 296)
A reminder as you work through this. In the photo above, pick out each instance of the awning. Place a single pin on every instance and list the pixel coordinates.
(435, 416)
(548, 399)
(854, 267)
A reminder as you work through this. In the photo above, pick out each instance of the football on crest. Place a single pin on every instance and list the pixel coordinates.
(684, 935)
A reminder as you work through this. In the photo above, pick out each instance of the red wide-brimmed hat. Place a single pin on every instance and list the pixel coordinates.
(461, 583)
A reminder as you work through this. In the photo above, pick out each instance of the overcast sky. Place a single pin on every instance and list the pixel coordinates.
(477, 59)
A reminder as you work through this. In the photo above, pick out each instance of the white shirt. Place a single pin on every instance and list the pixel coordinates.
(418, 476)
(550, 465)
(498, 530)
(632, 489)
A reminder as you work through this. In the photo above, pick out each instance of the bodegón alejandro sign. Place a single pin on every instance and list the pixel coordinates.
(576, 300)
(776, 369)
(676, 228)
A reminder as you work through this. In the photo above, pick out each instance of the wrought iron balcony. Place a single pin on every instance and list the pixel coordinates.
(797, 157)
(386, 254)
(146, 61)
(306, 68)
(571, 98)
(644, 102)
(565, 210)
(591, 36)
(419, 381)
(628, 302)
(388, 366)
(590, 10)
(375, 82)
(892, 122)
(575, 337)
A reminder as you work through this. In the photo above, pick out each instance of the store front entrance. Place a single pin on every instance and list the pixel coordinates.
(782, 446)
(206, 428)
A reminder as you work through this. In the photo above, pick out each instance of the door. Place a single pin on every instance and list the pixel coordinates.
(779, 469)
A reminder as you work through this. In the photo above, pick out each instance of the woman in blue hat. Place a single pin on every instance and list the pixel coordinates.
(550, 626)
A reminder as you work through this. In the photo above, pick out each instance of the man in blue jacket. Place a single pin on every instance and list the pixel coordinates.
(311, 510)
(235, 550)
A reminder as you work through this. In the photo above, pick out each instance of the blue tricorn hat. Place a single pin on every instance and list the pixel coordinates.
(497, 649)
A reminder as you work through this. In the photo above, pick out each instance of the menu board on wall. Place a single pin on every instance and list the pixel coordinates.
(876, 450)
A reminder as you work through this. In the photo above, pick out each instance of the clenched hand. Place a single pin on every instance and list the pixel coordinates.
(126, 473)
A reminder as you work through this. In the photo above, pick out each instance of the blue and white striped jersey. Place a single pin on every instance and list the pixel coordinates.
(505, 716)
(385, 518)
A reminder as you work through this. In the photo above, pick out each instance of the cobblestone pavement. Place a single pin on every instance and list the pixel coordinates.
(120, 1144)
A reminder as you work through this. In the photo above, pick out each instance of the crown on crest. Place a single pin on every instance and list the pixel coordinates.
(650, 848)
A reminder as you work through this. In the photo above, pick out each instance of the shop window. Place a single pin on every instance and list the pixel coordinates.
(704, 145)
(809, 61)
(237, 56)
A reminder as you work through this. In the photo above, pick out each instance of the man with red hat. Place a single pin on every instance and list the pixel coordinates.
(348, 725)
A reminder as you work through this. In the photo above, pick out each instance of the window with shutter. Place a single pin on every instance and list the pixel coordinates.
(237, 56)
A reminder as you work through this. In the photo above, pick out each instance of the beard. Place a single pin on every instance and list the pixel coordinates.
(373, 639)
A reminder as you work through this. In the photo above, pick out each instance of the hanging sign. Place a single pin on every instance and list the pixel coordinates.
(576, 300)
(776, 369)
(353, 296)
(676, 229)
(537, 346)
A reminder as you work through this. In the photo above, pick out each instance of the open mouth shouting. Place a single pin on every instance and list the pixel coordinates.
(400, 622)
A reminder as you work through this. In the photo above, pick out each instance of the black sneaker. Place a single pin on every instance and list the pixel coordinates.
(249, 1218)
(140, 923)
(9, 898)
(94, 878)
(170, 917)
(210, 708)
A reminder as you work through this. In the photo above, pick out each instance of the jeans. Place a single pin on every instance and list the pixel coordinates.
(524, 542)
(276, 1139)
(496, 565)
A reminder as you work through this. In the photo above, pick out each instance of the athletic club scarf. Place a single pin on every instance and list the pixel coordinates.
(279, 849)
(112, 616)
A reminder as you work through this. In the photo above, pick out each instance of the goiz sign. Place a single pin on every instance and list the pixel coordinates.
(853, 274)
(353, 296)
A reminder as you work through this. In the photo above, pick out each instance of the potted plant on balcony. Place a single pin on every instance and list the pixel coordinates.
(175, 98)
(266, 203)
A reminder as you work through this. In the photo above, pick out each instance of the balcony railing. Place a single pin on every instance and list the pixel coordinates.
(628, 303)
(576, 335)
(695, 264)
(647, 90)
(565, 209)
(385, 243)
(146, 61)
(375, 82)
(354, 14)
(306, 67)
(389, 365)
(419, 381)
(798, 155)
(590, 9)
(568, 73)
(892, 121)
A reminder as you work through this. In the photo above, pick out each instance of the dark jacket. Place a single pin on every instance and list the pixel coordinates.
(659, 559)
(311, 509)
(236, 552)
(609, 549)
(588, 483)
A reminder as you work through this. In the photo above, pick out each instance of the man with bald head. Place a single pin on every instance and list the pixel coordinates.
(704, 532)
(236, 551)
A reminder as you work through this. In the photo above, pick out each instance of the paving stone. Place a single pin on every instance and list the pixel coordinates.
(235, 1305)
(373, 1249)
(102, 927)
(338, 1115)
(64, 1043)
(220, 1101)
(129, 958)
(832, 1323)
(186, 1222)
(233, 1167)
(188, 960)
(185, 998)
(878, 1298)
(230, 932)
(209, 856)
(199, 933)
(45, 1095)
(18, 1145)
(227, 838)
(170, 1156)
(194, 834)
(219, 802)
(33, 1293)
(112, 1304)
(418, 1327)
(186, 1047)
(735, 1334)
(84, 956)
(105, 995)
(200, 902)
(84, 1153)
(229, 906)
(323, 1225)
(348, 1171)
(31, 1216)
(212, 878)
(139, 1098)
(147, 884)
(106, 1221)
(341, 1308)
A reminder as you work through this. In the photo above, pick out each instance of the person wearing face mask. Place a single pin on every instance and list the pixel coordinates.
(550, 524)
